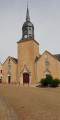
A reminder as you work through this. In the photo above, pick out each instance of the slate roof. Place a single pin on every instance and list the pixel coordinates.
(16, 60)
(27, 39)
(37, 57)
(57, 56)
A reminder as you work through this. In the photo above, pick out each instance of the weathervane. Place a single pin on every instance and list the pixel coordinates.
(27, 3)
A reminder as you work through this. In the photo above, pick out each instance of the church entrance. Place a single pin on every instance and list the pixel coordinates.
(25, 78)
(9, 79)
(0, 79)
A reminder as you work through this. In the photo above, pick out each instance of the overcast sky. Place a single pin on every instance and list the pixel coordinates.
(44, 14)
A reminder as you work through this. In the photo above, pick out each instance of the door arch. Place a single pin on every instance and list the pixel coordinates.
(9, 79)
(25, 77)
(0, 79)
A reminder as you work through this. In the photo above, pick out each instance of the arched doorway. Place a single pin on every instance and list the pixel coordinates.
(0, 79)
(9, 79)
(47, 72)
(25, 77)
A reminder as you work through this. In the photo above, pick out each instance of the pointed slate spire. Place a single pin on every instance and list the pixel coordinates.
(27, 15)
(28, 27)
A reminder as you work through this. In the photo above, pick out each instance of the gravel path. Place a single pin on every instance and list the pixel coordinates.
(6, 111)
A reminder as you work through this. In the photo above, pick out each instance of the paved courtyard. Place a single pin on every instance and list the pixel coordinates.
(6, 111)
(29, 103)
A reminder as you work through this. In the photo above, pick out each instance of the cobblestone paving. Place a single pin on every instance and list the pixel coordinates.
(6, 111)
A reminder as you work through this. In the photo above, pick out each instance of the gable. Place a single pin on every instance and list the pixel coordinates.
(46, 55)
(13, 60)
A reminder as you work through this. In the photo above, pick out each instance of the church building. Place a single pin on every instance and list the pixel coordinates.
(30, 66)
(0, 72)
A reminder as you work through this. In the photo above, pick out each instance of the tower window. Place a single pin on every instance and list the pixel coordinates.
(29, 28)
(25, 29)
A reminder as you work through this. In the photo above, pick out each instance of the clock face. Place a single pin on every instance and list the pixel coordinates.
(25, 36)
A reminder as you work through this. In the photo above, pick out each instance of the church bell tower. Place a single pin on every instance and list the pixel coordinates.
(28, 49)
(28, 27)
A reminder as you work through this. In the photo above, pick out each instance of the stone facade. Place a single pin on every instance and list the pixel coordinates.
(0, 72)
(27, 52)
(9, 71)
(47, 64)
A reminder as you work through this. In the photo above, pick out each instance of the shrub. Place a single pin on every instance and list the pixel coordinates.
(49, 79)
(59, 81)
(55, 82)
(43, 82)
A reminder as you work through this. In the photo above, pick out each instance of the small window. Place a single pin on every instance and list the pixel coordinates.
(9, 60)
(1, 71)
(25, 28)
(29, 28)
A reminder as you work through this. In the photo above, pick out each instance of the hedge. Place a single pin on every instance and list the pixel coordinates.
(49, 81)
(55, 82)
(43, 82)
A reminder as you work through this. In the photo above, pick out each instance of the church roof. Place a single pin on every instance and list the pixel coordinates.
(0, 63)
(16, 60)
(27, 39)
(57, 56)
(28, 23)
(36, 59)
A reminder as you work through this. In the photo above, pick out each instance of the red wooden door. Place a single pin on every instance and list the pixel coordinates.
(25, 78)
